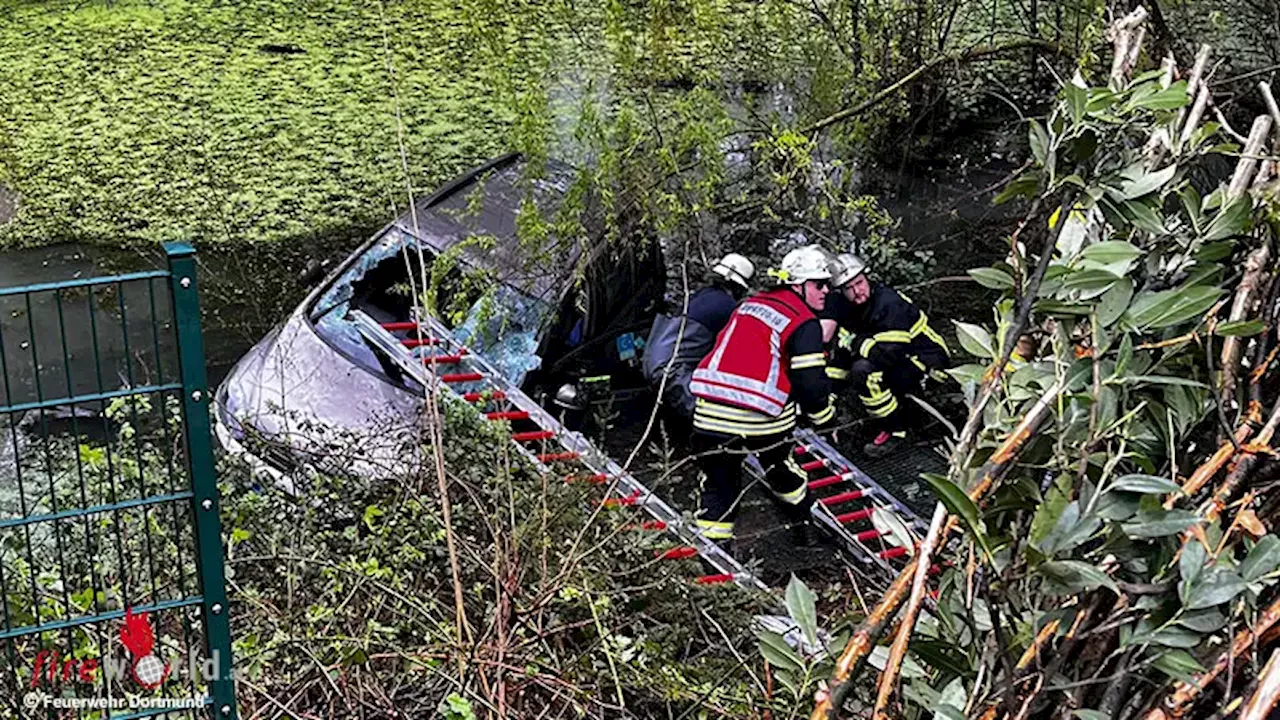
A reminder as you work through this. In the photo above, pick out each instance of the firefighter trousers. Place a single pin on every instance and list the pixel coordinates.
(720, 458)
(882, 390)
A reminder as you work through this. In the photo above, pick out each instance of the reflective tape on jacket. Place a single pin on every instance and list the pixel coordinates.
(747, 368)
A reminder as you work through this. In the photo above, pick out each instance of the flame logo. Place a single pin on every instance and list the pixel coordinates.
(136, 636)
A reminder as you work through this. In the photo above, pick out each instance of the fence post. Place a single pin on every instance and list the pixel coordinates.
(196, 399)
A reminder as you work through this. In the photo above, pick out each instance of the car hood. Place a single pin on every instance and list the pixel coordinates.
(310, 405)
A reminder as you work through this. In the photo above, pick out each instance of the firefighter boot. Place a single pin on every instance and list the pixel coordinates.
(885, 444)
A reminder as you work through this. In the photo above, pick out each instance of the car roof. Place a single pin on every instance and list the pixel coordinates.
(487, 204)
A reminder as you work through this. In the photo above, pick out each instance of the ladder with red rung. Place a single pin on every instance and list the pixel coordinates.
(847, 500)
(429, 353)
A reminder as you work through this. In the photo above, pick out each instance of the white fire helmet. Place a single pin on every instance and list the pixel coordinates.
(810, 262)
(735, 268)
(846, 267)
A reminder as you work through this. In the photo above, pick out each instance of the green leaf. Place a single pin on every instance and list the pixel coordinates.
(1263, 559)
(975, 339)
(1124, 355)
(1190, 566)
(1214, 588)
(1162, 380)
(1203, 621)
(801, 606)
(1191, 203)
(1240, 328)
(779, 654)
(952, 701)
(1145, 484)
(958, 503)
(1160, 524)
(1114, 302)
(1143, 216)
(1073, 576)
(1176, 637)
(1070, 531)
(1077, 101)
(1024, 185)
(1171, 307)
(1090, 282)
(969, 372)
(992, 278)
(1170, 98)
(1233, 220)
(1146, 184)
(1178, 664)
(1111, 252)
(1039, 140)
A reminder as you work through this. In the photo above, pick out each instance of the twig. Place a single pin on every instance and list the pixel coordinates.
(964, 55)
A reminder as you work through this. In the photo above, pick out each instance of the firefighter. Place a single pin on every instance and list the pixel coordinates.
(884, 348)
(765, 371)
(677, 342)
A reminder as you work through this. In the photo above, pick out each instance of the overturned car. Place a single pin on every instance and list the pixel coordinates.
(514, 263)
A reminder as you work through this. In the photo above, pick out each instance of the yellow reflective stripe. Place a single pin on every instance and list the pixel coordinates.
(823, 415)
(729, 427)
(846, 339)
(836, 373)
(879, 398)
(791, 464)
(715, 529)
(916, 361)
(809, 360)
(922, 327)
(934, 336)
(895, 336)
(865, 348)
(885, 411)
(792, 498)
(873, 383)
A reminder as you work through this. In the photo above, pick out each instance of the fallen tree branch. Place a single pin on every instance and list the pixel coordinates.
(1268, 692)
(965, 55)
(860, 645)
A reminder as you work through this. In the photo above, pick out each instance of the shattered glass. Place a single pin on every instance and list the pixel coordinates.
(504, 328)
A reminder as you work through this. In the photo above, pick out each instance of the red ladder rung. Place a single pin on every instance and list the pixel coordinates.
(855, 515)
(533, 435)
(461, 377)
(892, 553)
(714, 579)
(676, 553)
(478, 396)
(555, 457)
(397, 326)
(935, 569)
(813, 465)
(507, 415)
(826, 481)
(868, 535)
(653, 525)
(842, 497)
(628, 500)
(801, 449)
(597, 479)
(443, 359)
(419, 342)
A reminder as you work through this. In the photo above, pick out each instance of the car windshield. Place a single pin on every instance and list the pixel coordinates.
(490, 317)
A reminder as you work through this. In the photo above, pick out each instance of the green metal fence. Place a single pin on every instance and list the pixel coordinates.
(111, 566)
